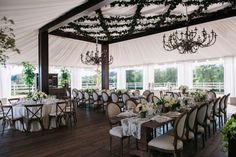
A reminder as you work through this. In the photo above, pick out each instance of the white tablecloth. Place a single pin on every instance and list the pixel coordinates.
(49, 106)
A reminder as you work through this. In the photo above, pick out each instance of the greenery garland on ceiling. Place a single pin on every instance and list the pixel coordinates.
(137, 23)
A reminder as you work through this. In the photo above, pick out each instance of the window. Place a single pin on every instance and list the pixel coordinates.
(134, 79)
(112, 80)
(165, 76)
(89, 79)
(209, 77)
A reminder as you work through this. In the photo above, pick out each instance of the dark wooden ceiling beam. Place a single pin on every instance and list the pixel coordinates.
(211, 17)
(103, 24)
(75, 13)
(76, 37)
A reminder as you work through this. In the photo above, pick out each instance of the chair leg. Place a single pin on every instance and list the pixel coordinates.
(110, 144)
(209, 130)
(203, 140)
(195, 141)
(3, 127)
(121, 141)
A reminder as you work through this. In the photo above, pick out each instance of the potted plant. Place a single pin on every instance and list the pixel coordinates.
(28, 75)
(65, 77)
(7, 39)
(229, 136)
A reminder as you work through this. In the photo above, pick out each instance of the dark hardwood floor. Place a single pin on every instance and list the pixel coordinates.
(89, 139)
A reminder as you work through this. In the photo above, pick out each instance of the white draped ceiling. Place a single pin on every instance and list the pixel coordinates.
(30, 15)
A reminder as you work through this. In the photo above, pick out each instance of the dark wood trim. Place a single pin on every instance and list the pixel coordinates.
(211, 17)
(103, 24)
(105, 66)
(69, 16)
(74, 36)
(43, 61)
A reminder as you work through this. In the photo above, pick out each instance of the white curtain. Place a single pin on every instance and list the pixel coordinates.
(76, 78)
(185, 74)
(121, 78)
(230, 75)
(148, 77)
(5, 82)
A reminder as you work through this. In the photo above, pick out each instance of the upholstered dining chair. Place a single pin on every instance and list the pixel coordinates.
(75, 96)
(201, 123)
(80, 98)
(191, 124)
(170, 144)
(211, 95)
(130, 104)
(59, 114)
(146, 92)
(149, 97)
(143, 100)
(115, 99)
(125, 96)
(87, 99)
(215, 114)
(220, 115)
(113, 109)
(223, 107)
(155, 99)
(97, 102)
(105, 99)
(10, 118)
(34, 113)
(209, 115)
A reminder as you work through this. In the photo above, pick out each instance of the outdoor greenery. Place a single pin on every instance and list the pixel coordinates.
(229, 131)
(208, 73)
(28, 75)
(166, 75)
(113, 78)
(134, 76)
(64, 77)
(7, 39)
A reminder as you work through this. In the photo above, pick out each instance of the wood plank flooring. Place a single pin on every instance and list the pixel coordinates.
(89, 139)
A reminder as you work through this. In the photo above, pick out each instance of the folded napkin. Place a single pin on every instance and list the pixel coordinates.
(126, 114)
(161, 119)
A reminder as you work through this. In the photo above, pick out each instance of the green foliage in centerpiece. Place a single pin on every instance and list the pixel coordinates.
(199, 96)
(28, 75)
(183, 88)
(7, 39)
(229, 131)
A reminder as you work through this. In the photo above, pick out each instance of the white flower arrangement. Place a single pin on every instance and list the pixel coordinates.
(170, 101)
(183, 88)
(39, 95)
(141, 108)
(200, 96)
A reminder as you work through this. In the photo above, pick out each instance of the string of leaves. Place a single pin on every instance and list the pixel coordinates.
(137, 22)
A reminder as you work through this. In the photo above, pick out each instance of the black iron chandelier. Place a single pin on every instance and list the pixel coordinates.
(93, 58)
(190, 41)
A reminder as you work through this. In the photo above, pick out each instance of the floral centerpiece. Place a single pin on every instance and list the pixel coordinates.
(39, 95)
(168, 103)
(199, 96)
(183, 88)
(142, 109)
(229, 136)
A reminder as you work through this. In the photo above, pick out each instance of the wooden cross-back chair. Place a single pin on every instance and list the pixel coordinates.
(34, 113)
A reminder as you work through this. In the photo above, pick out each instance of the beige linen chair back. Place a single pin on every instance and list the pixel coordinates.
(95, 96)
(191, 119)
(201, 114)
(155, 99)
(130, 103)
(105, 96)
(114, 97)
(125, 97)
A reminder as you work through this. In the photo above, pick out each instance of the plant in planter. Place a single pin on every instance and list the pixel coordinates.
(229, 136)
(65, 77)
(7, 39)
(28, 75)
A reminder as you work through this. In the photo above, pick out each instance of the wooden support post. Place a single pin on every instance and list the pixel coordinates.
(105, 66)
(43, 61)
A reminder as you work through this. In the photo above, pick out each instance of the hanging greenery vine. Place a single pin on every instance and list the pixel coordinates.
(113, 27)
(7, 39)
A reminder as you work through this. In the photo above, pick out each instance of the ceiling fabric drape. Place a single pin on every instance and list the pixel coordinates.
(30, 15)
